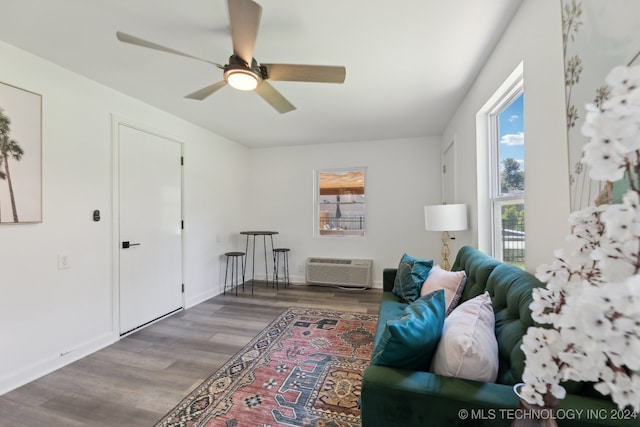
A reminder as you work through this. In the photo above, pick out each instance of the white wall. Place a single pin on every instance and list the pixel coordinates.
(50, 317)
(402, 176)
(534, 37)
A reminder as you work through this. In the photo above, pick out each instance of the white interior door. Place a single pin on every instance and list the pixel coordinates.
(150, 203)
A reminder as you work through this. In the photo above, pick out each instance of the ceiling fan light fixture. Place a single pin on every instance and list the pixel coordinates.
(241, 79)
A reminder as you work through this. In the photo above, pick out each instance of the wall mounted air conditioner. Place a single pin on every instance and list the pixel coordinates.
(339, 272)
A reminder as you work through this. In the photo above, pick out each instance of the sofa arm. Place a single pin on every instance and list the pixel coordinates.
(388, 277)
(393, 397)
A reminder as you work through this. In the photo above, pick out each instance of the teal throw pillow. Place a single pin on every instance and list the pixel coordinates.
(411, 274)
(410, 341)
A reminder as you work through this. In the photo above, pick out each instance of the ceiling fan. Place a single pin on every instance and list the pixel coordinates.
(243, 72)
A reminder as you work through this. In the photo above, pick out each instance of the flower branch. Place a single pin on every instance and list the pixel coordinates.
(590, 304)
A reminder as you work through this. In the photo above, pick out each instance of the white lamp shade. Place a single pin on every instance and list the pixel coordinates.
(445, 217)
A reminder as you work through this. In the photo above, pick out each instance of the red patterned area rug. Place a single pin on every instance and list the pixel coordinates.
(304, 369)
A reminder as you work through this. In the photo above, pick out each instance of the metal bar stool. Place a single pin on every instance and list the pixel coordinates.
(234, 257)
(285, 265)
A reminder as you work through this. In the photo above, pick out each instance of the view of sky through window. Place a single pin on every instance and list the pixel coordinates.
(511, 128)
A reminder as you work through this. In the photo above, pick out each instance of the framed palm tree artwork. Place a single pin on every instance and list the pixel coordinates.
(20, 155)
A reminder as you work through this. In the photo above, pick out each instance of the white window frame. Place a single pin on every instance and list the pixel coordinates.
(317, 204)
(483, 181)
(496, 200)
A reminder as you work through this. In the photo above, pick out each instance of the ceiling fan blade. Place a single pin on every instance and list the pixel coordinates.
(244, 16)
(128, 38)
(274, 98)
(206, 91)
(305, 73)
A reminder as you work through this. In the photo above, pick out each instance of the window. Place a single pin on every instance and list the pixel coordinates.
(507, 169)
(340, 202)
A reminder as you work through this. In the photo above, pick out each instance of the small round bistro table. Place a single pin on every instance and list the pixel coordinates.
(264, 235)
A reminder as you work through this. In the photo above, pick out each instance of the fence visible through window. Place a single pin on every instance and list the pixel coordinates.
(341, 223)
(513, 241)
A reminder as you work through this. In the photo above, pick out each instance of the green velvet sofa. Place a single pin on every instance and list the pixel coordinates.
(396, 397)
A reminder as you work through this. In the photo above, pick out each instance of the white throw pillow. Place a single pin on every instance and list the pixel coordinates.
(451, 281)
(468, 347)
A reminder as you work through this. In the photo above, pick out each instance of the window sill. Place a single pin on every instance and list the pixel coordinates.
(342, 233)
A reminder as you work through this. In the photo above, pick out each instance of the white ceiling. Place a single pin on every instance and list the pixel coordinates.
(409, 63)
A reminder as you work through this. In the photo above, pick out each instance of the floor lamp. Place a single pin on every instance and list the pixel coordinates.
(445, 218)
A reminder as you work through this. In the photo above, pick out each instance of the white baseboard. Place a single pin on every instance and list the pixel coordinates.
(202, 297)
(55, 362)
(301, 281)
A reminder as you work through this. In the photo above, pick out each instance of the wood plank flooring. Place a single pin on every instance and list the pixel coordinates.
(137, 380)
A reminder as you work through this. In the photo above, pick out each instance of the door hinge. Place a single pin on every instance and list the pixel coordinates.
(444, 168)
(181, 161)
(182, 225)
(183, 288)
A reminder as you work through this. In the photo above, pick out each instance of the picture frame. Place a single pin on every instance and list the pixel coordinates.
(596, 38)
(20, 155)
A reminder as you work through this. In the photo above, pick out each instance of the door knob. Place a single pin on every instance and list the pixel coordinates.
(127, 244)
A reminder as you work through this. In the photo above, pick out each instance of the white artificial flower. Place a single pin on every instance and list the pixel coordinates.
(537, 385)
(623, 298)
(624, 390)
(618, 220)
(632, 285)
(531, 395)
(614, 262)
(540, 339)
(594, 321)
(605, 161)
(622, 79)
(621, 112)
(603, 387)
(606, 374)
(613, 123)
(543, 305)
(591, 298)
(586, 217)
(623, 350)
(546, 272)
(558, 391)
(592, 112)
(631, 200)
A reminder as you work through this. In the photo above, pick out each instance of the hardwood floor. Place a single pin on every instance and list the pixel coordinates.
(137, 380)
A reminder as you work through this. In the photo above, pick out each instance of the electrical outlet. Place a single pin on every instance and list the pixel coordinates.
(63, 261)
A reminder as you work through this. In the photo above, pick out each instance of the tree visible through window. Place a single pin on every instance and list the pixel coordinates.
(511, 178)
(340, 202)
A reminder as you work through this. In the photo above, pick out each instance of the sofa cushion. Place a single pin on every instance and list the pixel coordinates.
(391, 308)
(510, 290)
(478, 266)
(409, 341)
(468, 348)
(412, 272)
(451, 281)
